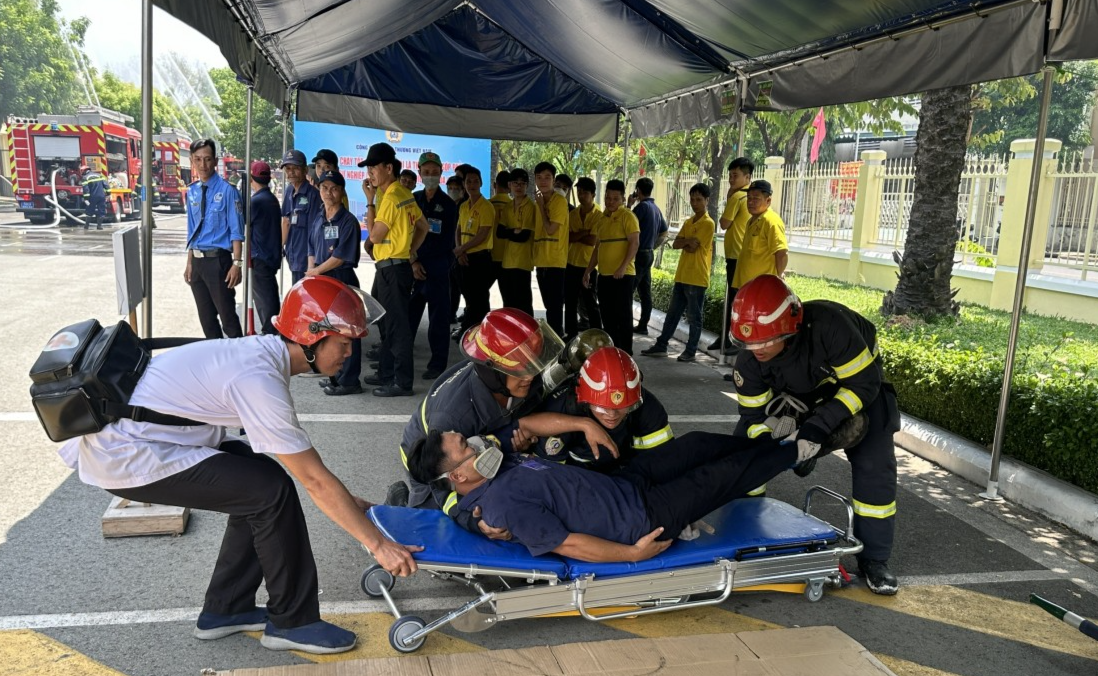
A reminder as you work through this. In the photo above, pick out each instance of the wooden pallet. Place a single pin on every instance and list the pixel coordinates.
(124, 519)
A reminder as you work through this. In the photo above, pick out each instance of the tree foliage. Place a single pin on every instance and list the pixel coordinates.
(36, 66)
(782, 133)
(126, 98)
(266, 126)
(1005, 110)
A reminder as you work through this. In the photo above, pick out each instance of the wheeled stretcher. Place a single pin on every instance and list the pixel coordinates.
(755, 542)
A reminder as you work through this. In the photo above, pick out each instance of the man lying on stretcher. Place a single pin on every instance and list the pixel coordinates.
(631, 515)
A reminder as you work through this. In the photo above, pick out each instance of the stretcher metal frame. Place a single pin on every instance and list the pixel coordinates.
(541, 593)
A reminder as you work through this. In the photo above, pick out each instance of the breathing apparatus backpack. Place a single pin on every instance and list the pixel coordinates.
(86, 374)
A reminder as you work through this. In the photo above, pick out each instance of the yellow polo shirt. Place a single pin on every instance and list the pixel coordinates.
(579, 254)
(471, 218)
(694, 267)
(613, 231)
(398, 210)
(519, 255)
(735, 210)
(551, 251)
(764, 237)
(502, 202)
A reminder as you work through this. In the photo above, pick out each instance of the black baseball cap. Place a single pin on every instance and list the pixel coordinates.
(294, 157)
(328, 156)
(378, 153)
(334, 177)
(762, 186)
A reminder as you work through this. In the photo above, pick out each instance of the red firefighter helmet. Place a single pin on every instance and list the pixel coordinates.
(318, 307)
(512, 342)
(610, 379)
(765, 310)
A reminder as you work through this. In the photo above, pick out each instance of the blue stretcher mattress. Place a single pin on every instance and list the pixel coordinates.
(745, 528)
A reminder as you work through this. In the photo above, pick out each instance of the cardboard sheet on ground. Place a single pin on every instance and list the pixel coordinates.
(815, 651)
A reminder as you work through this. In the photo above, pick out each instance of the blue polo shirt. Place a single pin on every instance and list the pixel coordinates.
(338, 238)
(651, 221)
(441, 214)
(223, 222)
(542, 502)
(266, 242)
(302, 208)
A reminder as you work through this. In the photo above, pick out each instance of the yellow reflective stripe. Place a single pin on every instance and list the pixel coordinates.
(761, 490)
(849, 399)
(757, 430)
(875, 511)
(756, 401)
(451, 502)
(654, 439)
(404, 457)
(855, 365)
(423, 414)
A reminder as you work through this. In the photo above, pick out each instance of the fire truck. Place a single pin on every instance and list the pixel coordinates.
(171, 168)
(231, 168)
(50, 149)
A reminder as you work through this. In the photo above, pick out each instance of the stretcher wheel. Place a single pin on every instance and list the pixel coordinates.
(814, 590)
(403, 628)
(374, 579)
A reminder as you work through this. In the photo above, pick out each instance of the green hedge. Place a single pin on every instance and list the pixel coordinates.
(1051, 421)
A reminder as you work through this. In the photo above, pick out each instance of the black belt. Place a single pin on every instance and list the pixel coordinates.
(381, 265)
(211, 253)
(643, 250)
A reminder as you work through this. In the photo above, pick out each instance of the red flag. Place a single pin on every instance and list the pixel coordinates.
(820, 125)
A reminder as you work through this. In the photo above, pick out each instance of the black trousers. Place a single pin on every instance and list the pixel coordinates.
(551, 284)
(213, 297)
(581, 305)
(476, 286)
(433, 294)
(873, 470)
(394, 291)
(266, 538)
(455, 288)
(642, 284)
(296, 276)
(702, 472)
(352, 368)
(264, 295)
(514, 286)
(616, 305)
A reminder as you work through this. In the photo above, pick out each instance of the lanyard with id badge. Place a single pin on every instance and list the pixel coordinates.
(435, 225)
(331, 231)
(302, 204)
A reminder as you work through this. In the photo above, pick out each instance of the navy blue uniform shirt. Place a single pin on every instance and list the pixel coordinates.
(651, 221)
(338, 238)
(441, 214)
(542, 502)
(95, 186)
(302, 208)
(266, 228)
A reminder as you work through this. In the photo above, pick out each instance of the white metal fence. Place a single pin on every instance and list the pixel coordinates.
(1074, 214)
(818, 202)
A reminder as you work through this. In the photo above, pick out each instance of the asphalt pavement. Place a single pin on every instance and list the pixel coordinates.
(74, 602)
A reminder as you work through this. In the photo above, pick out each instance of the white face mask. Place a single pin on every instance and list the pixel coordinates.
(430, 182)
(455, 194)
(562, 192)
(489, 456)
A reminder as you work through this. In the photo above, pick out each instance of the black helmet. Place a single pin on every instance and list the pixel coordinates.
(582, 346)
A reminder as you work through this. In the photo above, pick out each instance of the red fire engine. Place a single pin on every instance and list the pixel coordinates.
(99, 138)
(229, 166)
(171, 168)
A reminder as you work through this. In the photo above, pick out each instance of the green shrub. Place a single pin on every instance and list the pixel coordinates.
(951, 373)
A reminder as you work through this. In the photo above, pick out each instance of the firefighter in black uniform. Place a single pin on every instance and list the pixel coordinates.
(605, 401)
(95, 194)
(818, 360)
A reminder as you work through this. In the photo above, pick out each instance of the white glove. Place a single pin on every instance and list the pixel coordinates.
(694, 530)
(806, 450)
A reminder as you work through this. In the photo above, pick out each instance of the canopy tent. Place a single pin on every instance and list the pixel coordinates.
(566, 70)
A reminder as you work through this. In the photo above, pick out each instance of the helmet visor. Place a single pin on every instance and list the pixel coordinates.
(617, 412)
(343, 318)
(759, 345)
(524, 360)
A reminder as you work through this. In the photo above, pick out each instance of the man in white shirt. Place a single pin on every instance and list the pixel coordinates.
(245, 383)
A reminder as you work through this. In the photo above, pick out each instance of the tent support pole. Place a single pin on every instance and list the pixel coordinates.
(285, 129)
(146, 163)
(246, 199)
(625, 155)
(742, 122)
(992, 492)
